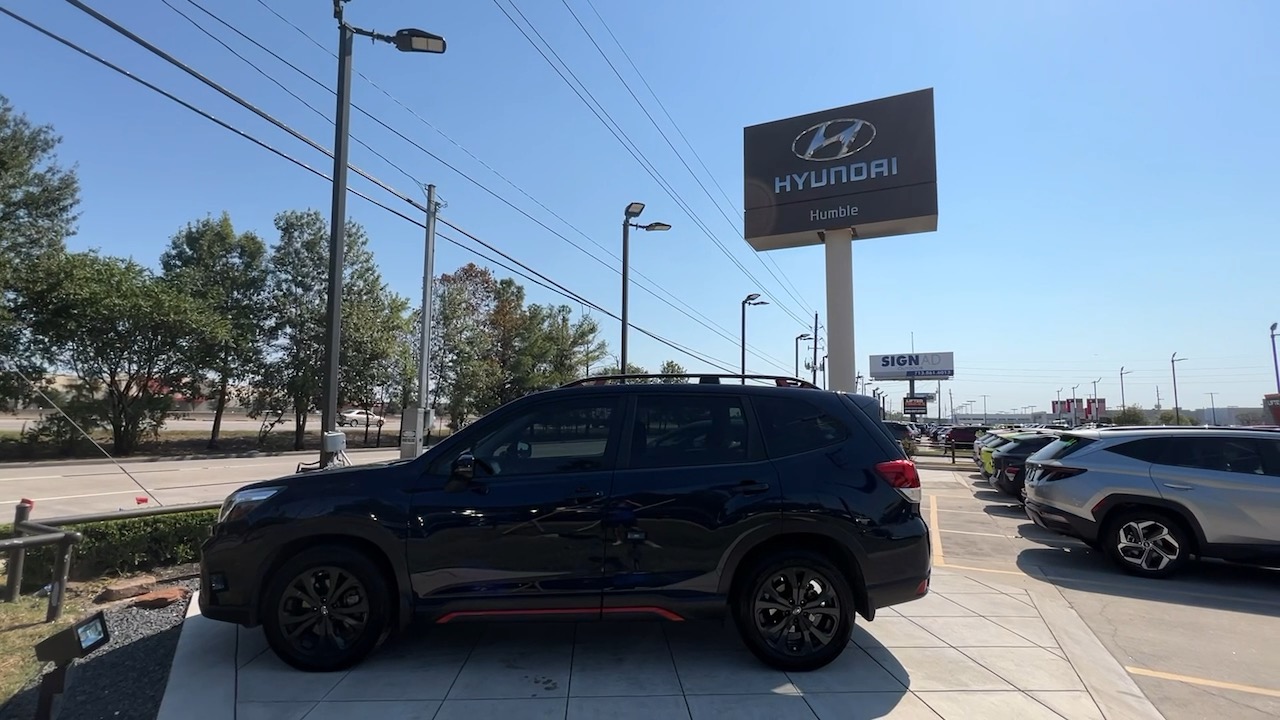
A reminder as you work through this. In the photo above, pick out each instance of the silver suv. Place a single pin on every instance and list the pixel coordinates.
(1152, 497)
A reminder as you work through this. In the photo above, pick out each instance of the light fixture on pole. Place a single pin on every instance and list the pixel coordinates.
(984, 409)
(1123, 372)
(752, 299)
(1072, 400)
(631, 212)
(1097, 416)
(805, 336)
(1173, 365)
(1059, 408)
(406, 40)
(1275, 359)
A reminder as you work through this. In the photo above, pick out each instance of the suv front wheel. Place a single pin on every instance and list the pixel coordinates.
(1146, 542)
(794, 611)
(326, 609)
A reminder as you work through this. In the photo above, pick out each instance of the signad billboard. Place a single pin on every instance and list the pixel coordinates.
(871, 166)
(907, 366)
(915, 406)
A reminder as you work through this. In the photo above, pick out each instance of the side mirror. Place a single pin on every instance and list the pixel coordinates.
(464, 468)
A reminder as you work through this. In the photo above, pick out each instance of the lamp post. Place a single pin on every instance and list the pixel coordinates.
(1173, 365)
(1123, 372)
(1072, 400)
(405, 40)
(1097, 416)
(805, 336)
(984, 409)
(752, 299)
(1058, 410)
(630, 213)
(1213, 407)
(1275, 360)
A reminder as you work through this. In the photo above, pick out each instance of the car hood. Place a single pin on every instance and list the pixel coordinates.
(311, 476)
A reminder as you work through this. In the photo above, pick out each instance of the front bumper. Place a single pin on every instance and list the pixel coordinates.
(228, 583)
(1065, 523)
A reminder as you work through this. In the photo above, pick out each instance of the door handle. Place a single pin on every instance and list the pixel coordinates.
(1177, 486)
(584, 494)
(750, 487)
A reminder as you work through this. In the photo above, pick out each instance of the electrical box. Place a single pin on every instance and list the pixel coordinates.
(412, 432)
(334, 442)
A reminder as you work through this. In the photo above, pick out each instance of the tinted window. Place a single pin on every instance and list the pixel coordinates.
(791, 426)
(685, 430)
(1270, 457)
(1236, 455)
(1150, 450)
(1062, 447)
(557, 437)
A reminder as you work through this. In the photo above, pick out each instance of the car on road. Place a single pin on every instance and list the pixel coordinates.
(790, 508)
(359, 418)
(1151, 498)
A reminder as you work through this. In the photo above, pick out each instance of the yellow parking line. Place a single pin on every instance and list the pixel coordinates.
(938, 557)
(971, 532)
(1204, 681)
(987, 570)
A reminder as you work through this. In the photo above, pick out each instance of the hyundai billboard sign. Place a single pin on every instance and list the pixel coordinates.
(871, 167)
(913, 366)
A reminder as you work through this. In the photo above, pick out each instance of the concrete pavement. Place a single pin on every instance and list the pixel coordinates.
(70, 489)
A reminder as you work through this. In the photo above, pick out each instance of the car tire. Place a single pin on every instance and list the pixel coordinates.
(1147, 542)
(326, 609)
(768, 603)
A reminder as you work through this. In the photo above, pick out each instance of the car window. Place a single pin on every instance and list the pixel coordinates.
(1221, 454)
(1062, 447)
(1270, 457)
(792, 426)
(563, 436)
(1152, 450)
(683, 430)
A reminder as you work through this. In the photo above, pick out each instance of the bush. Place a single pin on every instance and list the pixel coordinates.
(123, 546)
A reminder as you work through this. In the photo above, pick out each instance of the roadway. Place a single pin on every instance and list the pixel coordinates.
(76, 488)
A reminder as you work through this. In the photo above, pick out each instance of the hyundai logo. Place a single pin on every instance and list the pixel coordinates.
(833, 139)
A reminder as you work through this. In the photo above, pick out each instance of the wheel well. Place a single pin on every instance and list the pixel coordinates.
(839, 555)
(360, 545)
(1180, 515)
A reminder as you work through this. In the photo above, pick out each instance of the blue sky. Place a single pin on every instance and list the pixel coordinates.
(1107, 181)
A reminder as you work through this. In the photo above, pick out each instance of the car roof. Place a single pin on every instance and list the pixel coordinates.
(1180, 430)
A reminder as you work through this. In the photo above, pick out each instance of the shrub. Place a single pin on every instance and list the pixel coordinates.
(126, 545)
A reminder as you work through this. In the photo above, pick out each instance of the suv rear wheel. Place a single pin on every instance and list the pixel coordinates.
(326, 609)
(794, 611)
(1147, 542)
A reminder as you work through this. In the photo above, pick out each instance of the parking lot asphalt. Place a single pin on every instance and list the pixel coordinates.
(1196, 644)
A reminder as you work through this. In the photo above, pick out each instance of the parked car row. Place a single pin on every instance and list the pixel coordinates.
(1150, 498)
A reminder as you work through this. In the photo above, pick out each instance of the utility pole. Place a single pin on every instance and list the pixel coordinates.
(1213, 406)
(422, 414)
(951, 400)
(815, 347)
(984, 409)
(1123, 372)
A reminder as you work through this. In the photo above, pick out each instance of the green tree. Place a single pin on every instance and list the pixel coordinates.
(671, 367)
(1131, 415)
(117, 327)
(38, 200)
(1185, 417)
(291, 377)
(461, 341)
(225, 272)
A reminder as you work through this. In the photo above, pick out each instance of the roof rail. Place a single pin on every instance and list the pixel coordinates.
(699, 378)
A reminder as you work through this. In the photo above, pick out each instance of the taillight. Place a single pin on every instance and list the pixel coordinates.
(1011, 471)
(902, 474)
(1060, 473)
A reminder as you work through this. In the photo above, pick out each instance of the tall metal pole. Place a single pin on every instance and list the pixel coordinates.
(744, 341)
(1122, 374)
(1213, 407)
(1275, 359)
(626, 282)
(1177, 412)
(337, 235)
(984, 409)
(815, 348)
(424, 359)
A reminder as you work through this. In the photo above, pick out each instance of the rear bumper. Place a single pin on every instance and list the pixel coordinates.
(1061, 522)
(900, 573)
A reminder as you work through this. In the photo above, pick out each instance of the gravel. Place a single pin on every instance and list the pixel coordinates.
(125, 679)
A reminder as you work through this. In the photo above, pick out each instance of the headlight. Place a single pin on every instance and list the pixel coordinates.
(239, 503)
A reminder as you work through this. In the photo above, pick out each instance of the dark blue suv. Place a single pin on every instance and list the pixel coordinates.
(790, 507)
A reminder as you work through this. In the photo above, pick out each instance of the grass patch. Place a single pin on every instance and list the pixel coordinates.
(22, 626)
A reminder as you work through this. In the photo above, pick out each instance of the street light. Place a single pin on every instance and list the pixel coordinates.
(629, 213)
(805, 336)
(1096, 415)
(406, 40)
(1123, 372)
(1275, 360)
(1213, 406)
(1173, 364)
(984, 409)
(1072, 400)
(752, 299)
(1058, 411)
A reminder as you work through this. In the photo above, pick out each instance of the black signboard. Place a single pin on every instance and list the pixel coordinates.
(915, 406)
(870, 167)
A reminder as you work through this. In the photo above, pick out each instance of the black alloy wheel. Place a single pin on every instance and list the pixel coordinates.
(795, 611)
(326, 609)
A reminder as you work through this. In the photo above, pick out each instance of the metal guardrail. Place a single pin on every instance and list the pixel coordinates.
(28, 533)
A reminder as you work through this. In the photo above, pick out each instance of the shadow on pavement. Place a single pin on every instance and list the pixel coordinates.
(107, 685)
(1207, 584)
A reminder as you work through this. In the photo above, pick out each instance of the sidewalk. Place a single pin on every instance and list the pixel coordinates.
(974, 648)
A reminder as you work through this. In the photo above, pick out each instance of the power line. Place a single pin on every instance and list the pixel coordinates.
(544, 282)
(680, 156)
(659, 293)
(621, 136)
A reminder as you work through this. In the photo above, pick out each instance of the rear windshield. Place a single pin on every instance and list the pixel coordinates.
(1062, 447)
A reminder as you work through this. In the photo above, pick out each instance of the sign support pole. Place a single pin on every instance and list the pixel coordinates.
(840, 331)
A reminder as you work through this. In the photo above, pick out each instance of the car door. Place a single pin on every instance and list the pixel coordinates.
(1224, 482)
(523, 534)
(694, 480)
